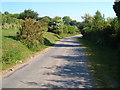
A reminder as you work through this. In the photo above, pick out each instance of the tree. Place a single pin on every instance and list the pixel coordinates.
(15, 15)
(45, 19)
(98, 21)
(28, 14)
(67, 20)
(87, 18)
(98, 15)
(6, 13)
(116, 8)
(55, 25)
(73, 23)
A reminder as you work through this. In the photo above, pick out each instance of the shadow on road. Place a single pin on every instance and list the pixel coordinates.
(75, 71)
(66, 45)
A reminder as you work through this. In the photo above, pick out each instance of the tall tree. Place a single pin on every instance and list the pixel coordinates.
(116, 8)
(28, 14)
(87, 18)
(98, 21)
(67, 20)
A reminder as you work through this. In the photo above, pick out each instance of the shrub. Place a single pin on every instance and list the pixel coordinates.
(31, 34)
(70, 29)
(56, 25)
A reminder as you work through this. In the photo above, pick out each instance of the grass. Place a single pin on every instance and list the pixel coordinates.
(104, 64)
(68, 35)
(50, 38)
(14, 51)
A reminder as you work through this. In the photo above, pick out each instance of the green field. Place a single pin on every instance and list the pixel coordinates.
(104, 64)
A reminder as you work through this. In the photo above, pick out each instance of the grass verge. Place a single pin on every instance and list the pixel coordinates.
(13, 51)
(103, 63)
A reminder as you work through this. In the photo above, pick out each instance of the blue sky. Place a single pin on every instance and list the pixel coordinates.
(73, 9)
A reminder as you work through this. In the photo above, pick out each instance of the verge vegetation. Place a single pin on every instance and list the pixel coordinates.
(25, 33)
(103, 63)
(101, 37)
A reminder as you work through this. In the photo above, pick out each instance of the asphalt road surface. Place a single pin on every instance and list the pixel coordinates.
(64, 65)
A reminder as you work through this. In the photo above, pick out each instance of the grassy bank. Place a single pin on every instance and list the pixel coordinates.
(14, 51)
(104, 63)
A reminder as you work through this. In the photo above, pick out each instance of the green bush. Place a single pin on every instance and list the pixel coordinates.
(31, 34)
(70, 29)
(56, 25)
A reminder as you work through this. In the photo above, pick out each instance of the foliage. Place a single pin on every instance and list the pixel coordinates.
(31, 34)
(67, 20)
(45, 19)
(101, 31)
(87, 18)
(14, 51)
(116, 8)
(55, 25)
(9, 22)
(73, 23)
(104, 64)
(28, 14)
(70, 29)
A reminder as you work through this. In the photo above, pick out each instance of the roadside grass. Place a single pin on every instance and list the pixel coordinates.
(50, 38)
(14, 51)
(103, 63)
(68, 35)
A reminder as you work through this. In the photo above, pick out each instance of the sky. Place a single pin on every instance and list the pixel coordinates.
(73, 9)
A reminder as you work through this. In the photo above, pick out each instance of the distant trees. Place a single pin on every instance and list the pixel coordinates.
(73, 23)
(67, 20)
(6, 13)
(45, 19)
(10, 20)
(31, 27)
(28, 14)
(56, 24)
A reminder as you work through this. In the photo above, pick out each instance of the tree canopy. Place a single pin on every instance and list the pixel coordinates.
(67, 20)
(28, 14)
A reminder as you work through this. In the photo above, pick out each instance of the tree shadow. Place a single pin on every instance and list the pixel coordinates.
(71, 41)
(47, 42)
(13, 37)
(66, 45)
(76, 70)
